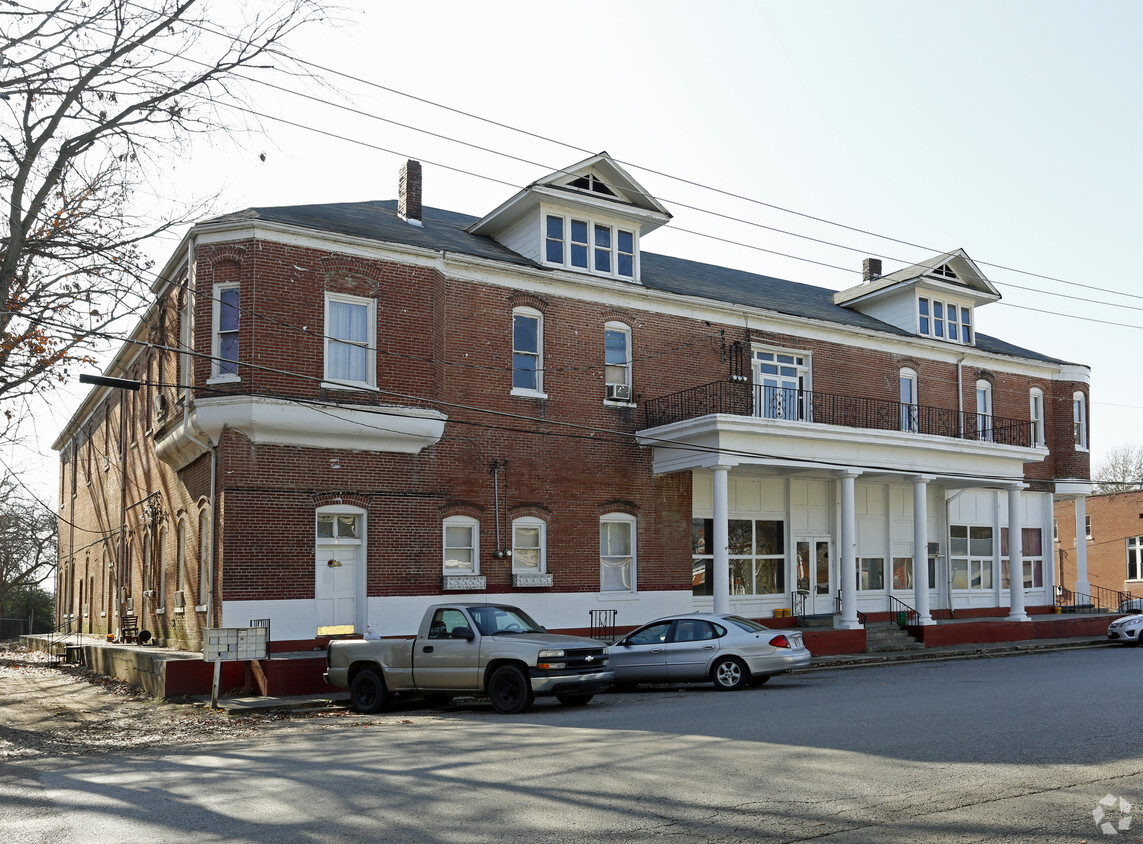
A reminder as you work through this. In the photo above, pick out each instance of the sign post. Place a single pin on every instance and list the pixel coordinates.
(233, 644)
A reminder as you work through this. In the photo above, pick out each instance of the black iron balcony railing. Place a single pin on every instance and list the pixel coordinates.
(741, 398)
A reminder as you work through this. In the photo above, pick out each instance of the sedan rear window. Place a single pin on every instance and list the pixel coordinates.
(745, 623)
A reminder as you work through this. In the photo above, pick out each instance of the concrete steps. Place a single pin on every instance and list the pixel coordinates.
(887, 636)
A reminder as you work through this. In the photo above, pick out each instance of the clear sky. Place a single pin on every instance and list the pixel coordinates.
(1008, 128)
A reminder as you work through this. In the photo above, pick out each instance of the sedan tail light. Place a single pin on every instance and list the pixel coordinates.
(780, 641)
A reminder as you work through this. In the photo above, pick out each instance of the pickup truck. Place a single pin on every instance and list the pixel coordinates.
(471, 649)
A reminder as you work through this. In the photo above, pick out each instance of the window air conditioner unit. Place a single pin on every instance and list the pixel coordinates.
(180, 599)
(619, 392)
(934, 549)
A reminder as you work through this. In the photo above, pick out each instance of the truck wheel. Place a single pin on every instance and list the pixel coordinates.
(729, 674)
(574, 700)
(367, 691)
(510, 690)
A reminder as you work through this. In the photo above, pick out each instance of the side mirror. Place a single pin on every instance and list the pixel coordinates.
(462, 633)
(624, 642)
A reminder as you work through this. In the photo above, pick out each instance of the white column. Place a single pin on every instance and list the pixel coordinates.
(721, 586)
(1083, 585)
(848, 620)
(1015, 557)
(921, 549)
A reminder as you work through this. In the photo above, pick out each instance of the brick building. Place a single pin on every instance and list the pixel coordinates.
(1110, 557)
(350, 410)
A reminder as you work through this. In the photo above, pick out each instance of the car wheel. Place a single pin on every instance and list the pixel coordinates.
(367, 691)
(437, 701)
(729, 674)
(510, 690)
(574, 700)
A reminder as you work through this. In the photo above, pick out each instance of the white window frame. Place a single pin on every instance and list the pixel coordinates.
(474, 526)
(612, 251)
(984, 414)
(1079, 420)
(530, 522)
(977, 566)
(910, 408)
(370, 344)
(1135, 550)
(791, 379)
(611, 369)
(632, 558)
(217, 376)
(1036, 414)
(537, 354)
(1028, 559)
(1087, 526)
(930, 325)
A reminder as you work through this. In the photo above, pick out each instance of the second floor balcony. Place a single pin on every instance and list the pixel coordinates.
(742, 398)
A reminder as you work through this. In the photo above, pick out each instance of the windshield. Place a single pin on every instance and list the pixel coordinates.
(491, 621)
(745, 623)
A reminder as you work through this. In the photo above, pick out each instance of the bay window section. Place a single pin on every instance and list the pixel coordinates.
(527, 351)
(224, 364)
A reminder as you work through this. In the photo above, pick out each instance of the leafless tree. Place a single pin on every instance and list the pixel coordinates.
(27, 540)
(1120, 471)
(95, 95)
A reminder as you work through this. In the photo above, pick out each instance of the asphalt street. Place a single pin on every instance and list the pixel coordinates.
(1016, 749)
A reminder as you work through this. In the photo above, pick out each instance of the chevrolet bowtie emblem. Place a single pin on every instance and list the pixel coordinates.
(591, 659)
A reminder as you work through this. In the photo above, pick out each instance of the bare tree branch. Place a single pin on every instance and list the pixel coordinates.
(94, 96)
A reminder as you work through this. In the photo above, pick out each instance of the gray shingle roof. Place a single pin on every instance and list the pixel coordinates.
(445, 230)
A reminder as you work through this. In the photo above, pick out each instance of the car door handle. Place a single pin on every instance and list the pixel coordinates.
(428, 649)
(708, 647)
(656, 650)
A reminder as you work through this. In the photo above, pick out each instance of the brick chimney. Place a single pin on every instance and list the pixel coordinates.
(409, 193)
(870, 269)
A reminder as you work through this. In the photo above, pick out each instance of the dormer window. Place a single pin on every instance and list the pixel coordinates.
(944, 320)
(589, 245)
(592, 184)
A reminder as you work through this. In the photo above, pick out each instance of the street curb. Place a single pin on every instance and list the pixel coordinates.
(982, 652)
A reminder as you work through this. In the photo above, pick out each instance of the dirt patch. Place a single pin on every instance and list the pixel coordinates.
(56, 709)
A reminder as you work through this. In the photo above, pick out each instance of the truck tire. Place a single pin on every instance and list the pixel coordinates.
(510, 690)
(574, 700)
(367, 691)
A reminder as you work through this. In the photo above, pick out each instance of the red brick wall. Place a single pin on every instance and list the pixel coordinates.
(1114, 517)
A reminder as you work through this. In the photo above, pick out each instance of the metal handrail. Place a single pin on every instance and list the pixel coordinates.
(1100, 599)
(741, 398)
(798, 599)
(602, 624)
(862, 618)
(899, 609)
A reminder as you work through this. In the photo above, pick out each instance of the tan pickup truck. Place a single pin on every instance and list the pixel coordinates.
(471, 649)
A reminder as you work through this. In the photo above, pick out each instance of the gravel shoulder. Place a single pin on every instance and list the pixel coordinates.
(55, 709)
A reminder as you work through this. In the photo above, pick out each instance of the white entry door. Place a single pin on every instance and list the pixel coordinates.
(815, 574)
(335, 586)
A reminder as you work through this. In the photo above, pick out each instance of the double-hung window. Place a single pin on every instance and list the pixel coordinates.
(226, 318)
(461, 545)
(1079, 421)
(944, 320)
(350, 340)
(1135, 558)
(1036, 413)
(1031, 553)
(617, 361)
(529, 537)
(617, 570)
(908, 396)
(527, 352)
(984, 411)
(970, 556)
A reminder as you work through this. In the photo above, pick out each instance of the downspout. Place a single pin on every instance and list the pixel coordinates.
(187, 380)
(960, 396)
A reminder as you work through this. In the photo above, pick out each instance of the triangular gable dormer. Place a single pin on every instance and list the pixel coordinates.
(936, 298)
(586, 218)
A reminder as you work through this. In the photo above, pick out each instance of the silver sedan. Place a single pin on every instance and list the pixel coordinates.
(728, 650)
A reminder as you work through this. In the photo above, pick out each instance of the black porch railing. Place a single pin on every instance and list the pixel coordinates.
(798, 600)
(901, 613)
(1099, 600)
(741, 398)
